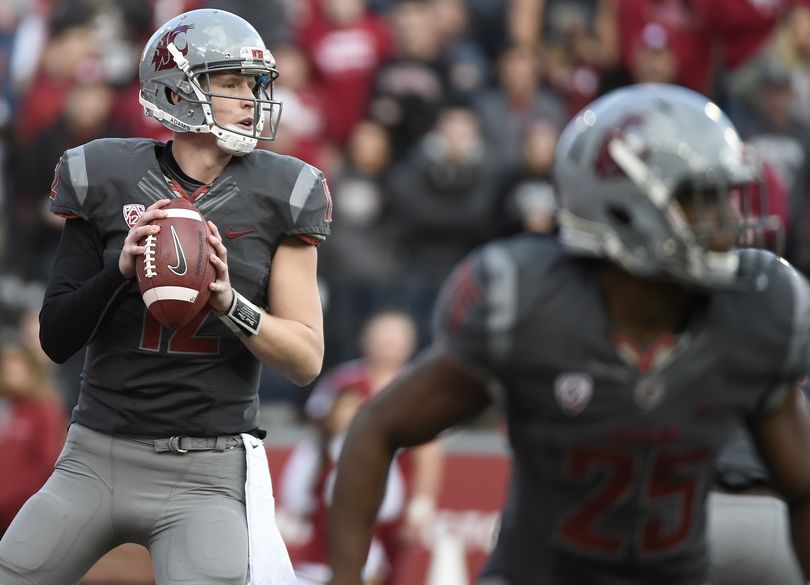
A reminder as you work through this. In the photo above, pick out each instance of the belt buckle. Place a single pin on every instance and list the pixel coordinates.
(174, 445)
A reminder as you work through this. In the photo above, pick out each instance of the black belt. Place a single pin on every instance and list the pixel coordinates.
(182, 445)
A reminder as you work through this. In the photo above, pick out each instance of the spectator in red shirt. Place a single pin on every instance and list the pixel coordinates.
(346, 44)
(653, 59)
(32, 429)
(742, 28)
(70, 57)
(84, 115)
(684, 22)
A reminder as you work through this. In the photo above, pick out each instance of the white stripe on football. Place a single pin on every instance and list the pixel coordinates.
(185, 214)
(170, 293)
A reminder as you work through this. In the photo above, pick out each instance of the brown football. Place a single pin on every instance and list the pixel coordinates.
(174, 273)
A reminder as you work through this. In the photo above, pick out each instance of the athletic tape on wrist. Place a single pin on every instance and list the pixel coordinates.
(242, 317)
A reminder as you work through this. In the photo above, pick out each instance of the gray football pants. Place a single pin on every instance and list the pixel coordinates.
(749, 539)
(188, 510)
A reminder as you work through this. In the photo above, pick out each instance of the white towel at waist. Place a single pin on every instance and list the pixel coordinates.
(268, 557)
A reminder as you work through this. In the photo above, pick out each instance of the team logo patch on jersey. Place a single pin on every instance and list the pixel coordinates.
(132, 213)
(649, 392)
(573, 392)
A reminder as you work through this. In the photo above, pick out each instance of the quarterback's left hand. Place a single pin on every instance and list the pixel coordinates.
(221, 291)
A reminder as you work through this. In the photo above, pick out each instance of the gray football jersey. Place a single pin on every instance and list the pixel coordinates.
(739, 465)
(612, 461)
(140, 378)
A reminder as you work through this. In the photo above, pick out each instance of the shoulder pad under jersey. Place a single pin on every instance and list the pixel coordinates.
(481, 302)
(92, 168)
(296, 190)
(773, 320)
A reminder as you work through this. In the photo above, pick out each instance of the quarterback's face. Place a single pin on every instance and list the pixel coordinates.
(232, 99)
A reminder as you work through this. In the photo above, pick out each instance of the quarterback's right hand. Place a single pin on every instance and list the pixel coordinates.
(131, 249)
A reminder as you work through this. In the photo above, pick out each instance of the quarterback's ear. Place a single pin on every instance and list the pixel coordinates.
(174, 97)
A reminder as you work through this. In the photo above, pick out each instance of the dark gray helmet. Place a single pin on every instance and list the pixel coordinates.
(621, 167)
(180, 56)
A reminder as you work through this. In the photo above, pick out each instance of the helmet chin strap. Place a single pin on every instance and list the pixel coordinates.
(714, 268)
(233, 143)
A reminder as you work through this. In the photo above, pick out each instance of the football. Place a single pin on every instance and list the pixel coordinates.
(175, 271)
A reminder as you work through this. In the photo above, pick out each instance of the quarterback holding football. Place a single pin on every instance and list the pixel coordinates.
(182, 270)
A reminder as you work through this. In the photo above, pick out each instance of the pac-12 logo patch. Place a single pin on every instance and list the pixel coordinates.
(573, 392)
(649, 392)
(132, 213)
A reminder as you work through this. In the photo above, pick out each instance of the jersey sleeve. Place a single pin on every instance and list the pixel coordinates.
(782, 328)
(310, 206)
(476, 309)
(797, 358)
(69, 187)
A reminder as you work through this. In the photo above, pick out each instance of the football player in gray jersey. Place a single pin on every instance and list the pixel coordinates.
(623, 353)
(165, 447)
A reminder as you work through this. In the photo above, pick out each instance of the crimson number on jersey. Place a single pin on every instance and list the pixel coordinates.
(183, 340)
(662, 510)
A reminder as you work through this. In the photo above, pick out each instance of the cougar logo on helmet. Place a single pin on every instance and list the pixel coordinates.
(162, 59)
(605, 166)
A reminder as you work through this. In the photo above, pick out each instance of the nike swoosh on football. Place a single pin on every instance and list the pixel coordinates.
(180, 268)
(231, 234)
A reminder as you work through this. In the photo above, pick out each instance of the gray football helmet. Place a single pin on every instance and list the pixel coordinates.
(622, 167)
(180, 56)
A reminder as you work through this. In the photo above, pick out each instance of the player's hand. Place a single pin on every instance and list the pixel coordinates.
(132, 249)
(221, 291)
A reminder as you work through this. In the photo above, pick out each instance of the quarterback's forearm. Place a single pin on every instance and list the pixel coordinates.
(800, 532)
(288, 347)
(359, 489)
(290, 339)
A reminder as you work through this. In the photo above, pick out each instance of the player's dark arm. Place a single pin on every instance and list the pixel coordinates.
(432, 395)
(80, 291)
(783, 438)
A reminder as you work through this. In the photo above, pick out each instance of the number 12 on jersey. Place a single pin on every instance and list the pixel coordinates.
(661, 509)
(183, 340)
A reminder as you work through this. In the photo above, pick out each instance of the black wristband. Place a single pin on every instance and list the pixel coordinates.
(242, 317)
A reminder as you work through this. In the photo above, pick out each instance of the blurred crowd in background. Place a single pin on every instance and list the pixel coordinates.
(435, 122)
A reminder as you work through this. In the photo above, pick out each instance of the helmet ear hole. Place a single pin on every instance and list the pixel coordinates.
(619, 215)
(171, 96)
